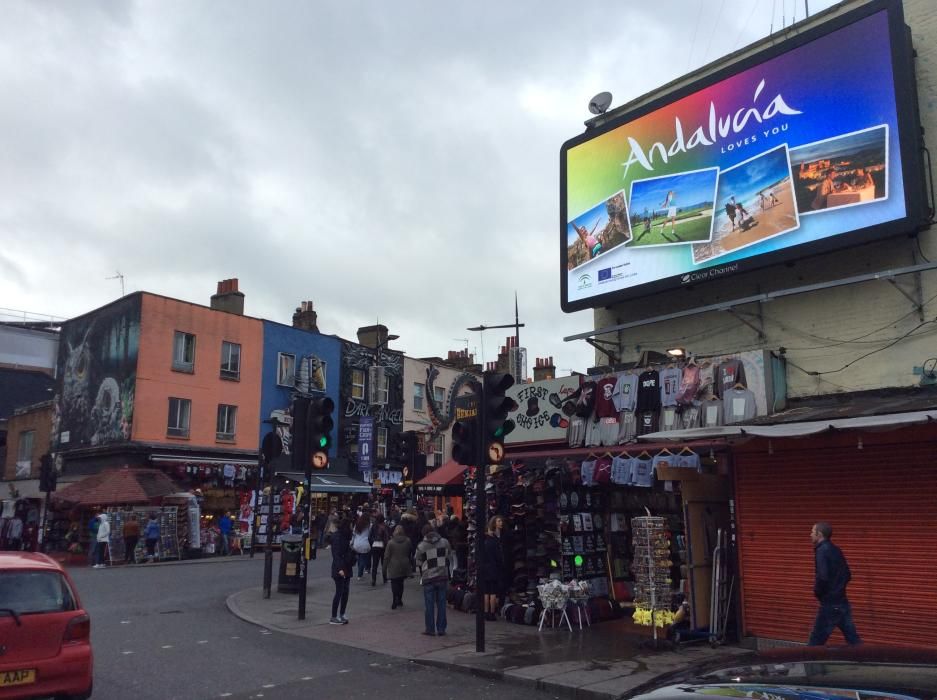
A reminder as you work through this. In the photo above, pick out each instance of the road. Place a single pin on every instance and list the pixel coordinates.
(163, 632)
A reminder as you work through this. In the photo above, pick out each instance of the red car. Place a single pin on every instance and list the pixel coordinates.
(45, 634)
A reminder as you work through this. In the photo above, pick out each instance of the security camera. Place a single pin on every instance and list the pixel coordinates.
(600, 103)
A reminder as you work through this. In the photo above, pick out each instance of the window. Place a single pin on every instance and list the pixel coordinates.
(286, 369)
(418, 390)
(439, 450)
(183, 352)
(382, 443)
(230, 360)
(227, 422)
(440, 395)
(24, 454)
(357, 383)
(180, 412)
(383, 388)
(31, 592)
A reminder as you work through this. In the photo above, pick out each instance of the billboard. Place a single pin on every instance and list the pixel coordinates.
(808, 146)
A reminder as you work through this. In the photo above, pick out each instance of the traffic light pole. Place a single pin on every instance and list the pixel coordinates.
(307, 528)
(268, 546)
(481, 513)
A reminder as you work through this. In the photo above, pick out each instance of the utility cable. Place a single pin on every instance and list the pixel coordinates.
(748, 22)
(868, 354)
(699, 15)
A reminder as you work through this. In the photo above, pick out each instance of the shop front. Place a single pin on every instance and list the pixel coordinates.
(444, 488)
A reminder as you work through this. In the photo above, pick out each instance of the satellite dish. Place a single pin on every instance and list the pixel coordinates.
(600, 103)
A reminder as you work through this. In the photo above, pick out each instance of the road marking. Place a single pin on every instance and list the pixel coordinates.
(226, 695)
(306, 678)
(126, 652)
(203, 641)
(125, 622)
(269, 685)
(167, 646)
(345, 670)
(266, 632)
(235, 637)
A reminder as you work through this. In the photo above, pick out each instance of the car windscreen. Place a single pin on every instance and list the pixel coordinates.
(30, 592)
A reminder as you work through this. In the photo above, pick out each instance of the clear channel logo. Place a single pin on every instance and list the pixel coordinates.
(709, 274)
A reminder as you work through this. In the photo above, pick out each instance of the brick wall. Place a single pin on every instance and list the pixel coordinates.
(811, 327)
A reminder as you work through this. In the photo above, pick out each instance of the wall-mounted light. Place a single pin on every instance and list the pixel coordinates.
(677, 352)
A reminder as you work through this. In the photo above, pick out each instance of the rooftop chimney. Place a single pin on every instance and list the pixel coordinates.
(305, 317)
(373, 336)
(228, 298)
(545, 369)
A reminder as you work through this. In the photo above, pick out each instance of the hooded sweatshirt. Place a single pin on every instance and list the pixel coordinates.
(104, 529)
(432, 554)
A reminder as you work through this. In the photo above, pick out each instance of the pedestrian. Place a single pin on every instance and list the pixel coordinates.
(409, 521)
(225, 525)
(832, 575)
(457, 542)
(379, 537)
(93, 526)
(151, 536)
(131, 537)
(432, 558)
(321, 523)
(397, 564)
(343, 557)
(492, 566)
(102, 540)
(361, 543)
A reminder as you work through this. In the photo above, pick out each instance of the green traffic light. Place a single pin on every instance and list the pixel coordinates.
(323, 441)
(578, 560)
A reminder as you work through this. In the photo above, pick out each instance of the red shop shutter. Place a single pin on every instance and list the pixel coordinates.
(881, 503)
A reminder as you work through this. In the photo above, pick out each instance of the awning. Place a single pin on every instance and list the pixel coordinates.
(198, 459)
(448, 475)
(117, 487)
(801, 429)
(329, 483)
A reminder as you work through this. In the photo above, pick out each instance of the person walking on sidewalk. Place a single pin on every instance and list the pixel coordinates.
(102, 540)
(361, 543)
(832, 575)
(379, 537)
(397, 564)
(432, 559)
(225, 526)
(131, 537)
(343, 558)
(151, 536)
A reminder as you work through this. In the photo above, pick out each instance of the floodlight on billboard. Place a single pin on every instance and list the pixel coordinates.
(808, 146)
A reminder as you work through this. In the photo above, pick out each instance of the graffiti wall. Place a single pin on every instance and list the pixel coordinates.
(97, 366)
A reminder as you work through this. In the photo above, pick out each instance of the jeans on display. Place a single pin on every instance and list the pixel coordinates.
(830, 617)
(363, 561)
(377, 563)
(434, 598)
(340, 599)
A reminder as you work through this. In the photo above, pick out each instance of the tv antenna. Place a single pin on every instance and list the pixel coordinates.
(120, 277)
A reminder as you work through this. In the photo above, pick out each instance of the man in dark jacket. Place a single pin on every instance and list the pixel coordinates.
(832, 575)
(432, 559)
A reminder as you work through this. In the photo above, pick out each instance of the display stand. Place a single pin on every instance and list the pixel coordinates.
(653, 595)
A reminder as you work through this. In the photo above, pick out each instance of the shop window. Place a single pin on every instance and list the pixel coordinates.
(439, 450)
(286, 369)
(183, 352)
(227, 422)
(382, 443)
(230, 360)
(357, 383)
(418, 390)
(24, 454)
(180, 413)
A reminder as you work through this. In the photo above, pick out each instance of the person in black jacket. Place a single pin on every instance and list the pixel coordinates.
(342, 565)
(832, 575)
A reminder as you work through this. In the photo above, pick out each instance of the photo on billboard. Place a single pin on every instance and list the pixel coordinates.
(780, 111)
(756, 199)
(673, 209)
(844, 171)
(597, 231)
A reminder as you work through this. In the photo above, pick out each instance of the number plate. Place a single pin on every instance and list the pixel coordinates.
(23, 677)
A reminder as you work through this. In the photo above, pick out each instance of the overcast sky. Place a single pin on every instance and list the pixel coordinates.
(377, 158)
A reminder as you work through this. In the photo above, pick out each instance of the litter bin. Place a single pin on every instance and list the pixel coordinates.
(291, 550)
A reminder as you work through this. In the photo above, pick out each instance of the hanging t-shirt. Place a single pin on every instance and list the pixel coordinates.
(603, 470)
(587, 472)
(711, 413)
(648, 391)
(604, 394)
(647, 422)
(642, 473)
(688, 460)
(627, 427)
(626, 392)
(707, 379)
(669, 386)
(728, 374)
(690, 415)
(593, 433)
(585, 401)
(689, 384)
(621, 470)
(576, 432)
(665, 460)
(668, 418)
(738, 405)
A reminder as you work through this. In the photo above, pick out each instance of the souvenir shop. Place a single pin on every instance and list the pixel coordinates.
(19, 524)
(444, 489)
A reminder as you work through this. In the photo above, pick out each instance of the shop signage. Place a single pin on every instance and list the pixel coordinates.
(539, 416)
(365, 444)
(793, 151)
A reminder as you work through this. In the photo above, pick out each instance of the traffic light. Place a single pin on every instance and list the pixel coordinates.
(47, 475)
(319, 424)
(465, 441)
(497, 406)
(407, 448)
(299, 452)
(394, 447)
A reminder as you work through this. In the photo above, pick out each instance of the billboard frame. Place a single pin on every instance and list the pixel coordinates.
(910, 142)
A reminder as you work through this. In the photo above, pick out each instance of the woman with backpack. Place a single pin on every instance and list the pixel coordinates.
(343, 558)
(379, 537)
(361, 543)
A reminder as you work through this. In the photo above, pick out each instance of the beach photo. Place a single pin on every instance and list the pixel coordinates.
(754, 202)
(843, 171)
(673, 209)
(597, 231)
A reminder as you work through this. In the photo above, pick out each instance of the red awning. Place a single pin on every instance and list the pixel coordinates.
(118, 487)
(449, 474)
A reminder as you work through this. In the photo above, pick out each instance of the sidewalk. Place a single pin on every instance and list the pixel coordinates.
(607, 660)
